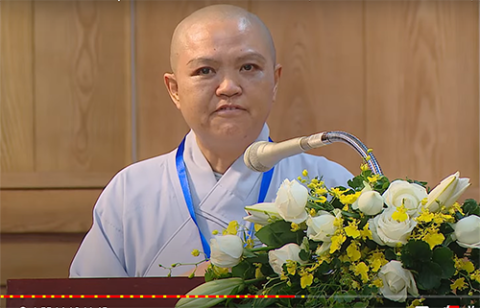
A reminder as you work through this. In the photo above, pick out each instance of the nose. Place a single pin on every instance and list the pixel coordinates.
(229, 87)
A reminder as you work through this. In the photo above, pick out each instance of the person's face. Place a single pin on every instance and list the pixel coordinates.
(225, 81)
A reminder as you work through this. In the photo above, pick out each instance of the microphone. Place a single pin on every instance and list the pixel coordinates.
(261, 156)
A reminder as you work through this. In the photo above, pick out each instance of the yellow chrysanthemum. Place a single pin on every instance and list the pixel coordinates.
(353, 252)
(366, 232)
(232, 227)
(313, 212)
(336, 192)
(378, 283)
(374, 178)
(338, 222)
(356, 285)
(195, 252)
(219, 270)
(416, 302)
(352, 231)
(441, 218)
(215, 232)
(425, 216)
(258, 270)
(456, 207)
(464, 264)
(458, 284)
(361, 269)
(321, 199)
(400, 214)
(306, 279)
(364, 167)
(377, 260)
(433, 238)
(291, 267)
(337, 241)
(304, 173)
(349, 199)
(294, 227)
(475, 276)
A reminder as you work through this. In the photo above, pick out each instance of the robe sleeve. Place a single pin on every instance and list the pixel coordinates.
(101, 254)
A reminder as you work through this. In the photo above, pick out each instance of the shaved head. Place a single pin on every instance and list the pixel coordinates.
(220, 12)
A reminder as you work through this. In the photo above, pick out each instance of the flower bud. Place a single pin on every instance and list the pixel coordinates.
(226, 250)
(467, 232)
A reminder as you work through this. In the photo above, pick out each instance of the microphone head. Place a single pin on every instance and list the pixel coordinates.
(251, 158)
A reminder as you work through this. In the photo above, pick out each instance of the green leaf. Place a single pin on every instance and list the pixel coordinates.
(443, 256)
(457, 250)
(278, 234)
(446, 228)
(429, 276)
(390, 254)
(304, 255)
(475, 257)
(444, 287)
(469, 206)
(414, 253)
(348, 214)
(243, 270)
(356, 183)
(360, 305)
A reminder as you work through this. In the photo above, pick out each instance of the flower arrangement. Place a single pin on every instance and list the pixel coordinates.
(375, 243)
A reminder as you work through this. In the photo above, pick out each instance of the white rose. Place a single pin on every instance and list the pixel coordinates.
(321, 228)
(369, 203)
(467, 232)
(262, 213)
(278, 257)
(447, 192)
(291, 201)
(226, 250)
(404, 193)
(397, 281)
(388, 231)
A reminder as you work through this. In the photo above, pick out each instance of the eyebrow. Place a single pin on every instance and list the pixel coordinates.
(209, 61)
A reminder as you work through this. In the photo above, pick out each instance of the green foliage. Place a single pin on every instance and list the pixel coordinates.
(348, 276)
(278, 234)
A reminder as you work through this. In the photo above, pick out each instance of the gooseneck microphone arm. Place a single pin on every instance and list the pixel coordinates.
(261, 156)
(355, 143)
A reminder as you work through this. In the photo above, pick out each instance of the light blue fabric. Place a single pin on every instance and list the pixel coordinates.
(141, 219)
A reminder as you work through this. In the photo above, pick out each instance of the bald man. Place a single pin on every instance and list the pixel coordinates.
(224, 81)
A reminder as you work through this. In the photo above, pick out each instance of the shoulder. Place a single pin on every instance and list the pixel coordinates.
(333, 173)
(141, 174)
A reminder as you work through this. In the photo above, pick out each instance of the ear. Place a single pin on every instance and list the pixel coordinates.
(172, 87)
(277, 75)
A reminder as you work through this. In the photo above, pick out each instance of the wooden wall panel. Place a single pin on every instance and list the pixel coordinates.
(422, 88)
(16, 87)
(320, 45)
(37, 256)
(3, 291)
(82, 81)
(47, 211)
(160, 125)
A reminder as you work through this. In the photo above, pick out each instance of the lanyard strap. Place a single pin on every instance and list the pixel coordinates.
(182, 175)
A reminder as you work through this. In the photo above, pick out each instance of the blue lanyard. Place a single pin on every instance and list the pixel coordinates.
(182, 175)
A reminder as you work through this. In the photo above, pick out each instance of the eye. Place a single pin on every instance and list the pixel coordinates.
(248, 67)
(204, 71)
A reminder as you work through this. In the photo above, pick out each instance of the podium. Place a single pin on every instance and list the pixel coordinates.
(98, 286)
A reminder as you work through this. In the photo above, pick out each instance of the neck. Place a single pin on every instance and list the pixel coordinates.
(221, 157)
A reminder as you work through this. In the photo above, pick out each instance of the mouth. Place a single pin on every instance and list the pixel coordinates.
(229, 108)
